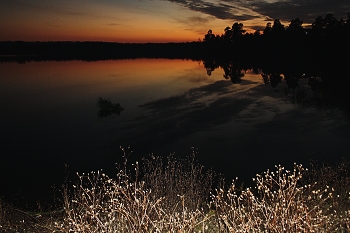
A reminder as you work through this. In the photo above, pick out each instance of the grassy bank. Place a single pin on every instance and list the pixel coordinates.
(179, 195)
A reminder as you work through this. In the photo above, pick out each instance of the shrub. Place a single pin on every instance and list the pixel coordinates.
(102, 204)
(178, 178)
(277, 204)
(336, 178)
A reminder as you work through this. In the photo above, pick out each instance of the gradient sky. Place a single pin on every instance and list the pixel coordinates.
(149, 20)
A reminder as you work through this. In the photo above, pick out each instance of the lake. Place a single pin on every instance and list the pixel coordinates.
(50, 127)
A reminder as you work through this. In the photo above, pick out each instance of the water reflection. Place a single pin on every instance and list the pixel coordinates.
(239, 125)
(329, 83)
(198, 109)
(107, 108)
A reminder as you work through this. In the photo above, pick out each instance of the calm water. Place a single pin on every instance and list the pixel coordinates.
(49, 121)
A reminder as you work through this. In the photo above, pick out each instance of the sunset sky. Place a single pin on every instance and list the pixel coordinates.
(149, 20)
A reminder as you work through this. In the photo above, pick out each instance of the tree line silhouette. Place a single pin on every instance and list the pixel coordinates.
(326, 37)
(325, 40)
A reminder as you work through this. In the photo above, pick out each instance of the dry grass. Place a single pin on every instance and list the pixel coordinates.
(276, 204)
(174, 195)
(178, 178)
(337, 179)
(168, 198)
(16, 220)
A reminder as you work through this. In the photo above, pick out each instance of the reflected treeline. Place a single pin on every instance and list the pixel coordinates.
(329, 84)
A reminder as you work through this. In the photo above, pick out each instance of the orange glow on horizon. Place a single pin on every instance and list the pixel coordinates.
(95, 22)
(125, 23)
(138, 21)
(86, 33)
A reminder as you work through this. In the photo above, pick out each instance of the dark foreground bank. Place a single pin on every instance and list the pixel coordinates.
(179, 195)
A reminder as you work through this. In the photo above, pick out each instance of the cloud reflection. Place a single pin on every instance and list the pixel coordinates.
(175, 117)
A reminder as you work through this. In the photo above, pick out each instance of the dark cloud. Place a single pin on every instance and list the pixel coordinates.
(113, 24)
(307, 11)
(219, 10)
(193, 22)
(285, 10)
(196, 19)
(268, 19)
